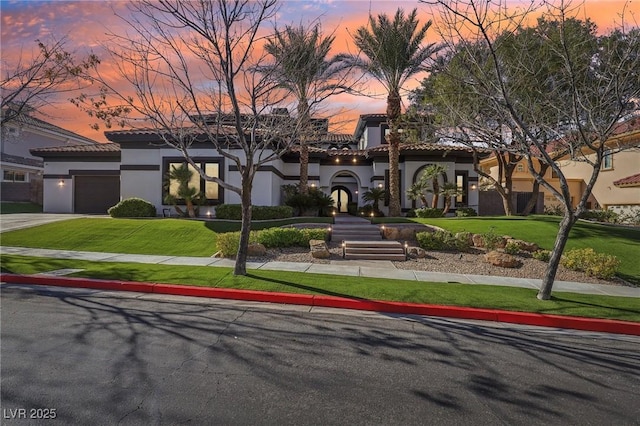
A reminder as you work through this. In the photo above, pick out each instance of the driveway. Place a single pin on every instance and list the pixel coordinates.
(11, 222)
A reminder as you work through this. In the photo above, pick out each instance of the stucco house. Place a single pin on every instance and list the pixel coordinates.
(22, 171)
(618, 184)
(136, 163)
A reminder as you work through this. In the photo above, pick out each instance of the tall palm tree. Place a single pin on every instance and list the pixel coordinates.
(301, 66)
(448, 191)
(393, 52)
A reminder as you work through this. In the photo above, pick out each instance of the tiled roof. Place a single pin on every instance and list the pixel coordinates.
(633, 180)
(426, 147)
(337, 137)
(15, 159)
(28, 120)
(98, 147)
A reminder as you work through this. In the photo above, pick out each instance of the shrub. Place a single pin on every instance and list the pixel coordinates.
(411, 213)
(314, 202)
(491, 240)
(593, 264)
(228, 242)
(280, 237)
(368, 209)
(133, 207)
(466, 212)
(309, 234)
(442, 240)
(512, 248)
(234, 212)
(543, 255)
(427, 212)
(608, 216)
(554, 210)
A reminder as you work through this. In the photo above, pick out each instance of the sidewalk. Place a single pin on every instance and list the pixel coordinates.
(370, 268)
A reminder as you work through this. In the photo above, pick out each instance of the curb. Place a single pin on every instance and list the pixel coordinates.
(513, 317)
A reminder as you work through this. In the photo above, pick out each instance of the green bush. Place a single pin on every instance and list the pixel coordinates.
(543, 255)
(234, 212)
(608, 216)
(593, 264)
(228, 242)
(314, 202)
(442, 240)
(427, 212)
(491, 240)
(512, 248)
(554, 210)
(133, 207)
(368, 209)
(466, 212)
(411, 213)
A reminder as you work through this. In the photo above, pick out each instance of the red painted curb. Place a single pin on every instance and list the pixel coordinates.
(556, 321)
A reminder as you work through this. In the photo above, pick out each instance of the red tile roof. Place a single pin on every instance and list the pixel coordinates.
(97, 147)
(427, 147)
(633, 180)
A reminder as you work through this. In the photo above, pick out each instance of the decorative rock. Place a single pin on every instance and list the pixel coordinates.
(470, 237)
(503, 260)
(319, 249)
(390, 233)
(256, 249)
(417, 252)
(477, 240)
(407, 234)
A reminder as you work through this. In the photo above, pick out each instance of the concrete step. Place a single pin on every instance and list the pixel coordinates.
(381, 256)
(374, 250)
(379, 244)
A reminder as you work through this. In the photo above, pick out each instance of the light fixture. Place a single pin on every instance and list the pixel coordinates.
(354, 160)
(379, 185)
(61, 182)
(356, 192)
(337, 161)
(473, 187)
(313, 185)
(209, 213)
(372, 214)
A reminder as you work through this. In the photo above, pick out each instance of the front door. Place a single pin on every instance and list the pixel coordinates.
(341, 197)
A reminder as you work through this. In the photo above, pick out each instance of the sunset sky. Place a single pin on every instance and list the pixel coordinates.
(85, 24)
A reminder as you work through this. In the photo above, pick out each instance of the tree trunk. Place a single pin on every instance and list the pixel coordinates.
(393, 113)
(436, 192)
(447, 205)
(507, 202)
(566, 224)
(536, 191)
(304, 167)
(245, 229)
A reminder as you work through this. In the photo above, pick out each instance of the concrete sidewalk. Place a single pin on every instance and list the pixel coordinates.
(372, 269)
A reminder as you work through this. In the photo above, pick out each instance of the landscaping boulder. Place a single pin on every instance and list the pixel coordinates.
(525, 245)
(391, 233)
(417, 252)
(256, 249)
(469, 237)
(407, 233)
(477, 240)
(503, 260)
(319, 249)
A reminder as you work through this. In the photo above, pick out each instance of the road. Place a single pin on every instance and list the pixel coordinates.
(89, 357)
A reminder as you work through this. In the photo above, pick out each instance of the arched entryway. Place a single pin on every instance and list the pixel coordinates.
(341, 198)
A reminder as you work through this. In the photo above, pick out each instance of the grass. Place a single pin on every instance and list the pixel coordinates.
(10, 208)
(174, 237)
(622, 242)
(478, 296)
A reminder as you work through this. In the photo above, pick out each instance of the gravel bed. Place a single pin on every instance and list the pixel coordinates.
(448, 262)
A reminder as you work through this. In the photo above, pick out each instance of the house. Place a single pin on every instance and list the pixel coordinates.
(136, 163)
(22, 172)
(618, 184)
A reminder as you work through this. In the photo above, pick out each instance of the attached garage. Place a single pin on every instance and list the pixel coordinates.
(95, 194)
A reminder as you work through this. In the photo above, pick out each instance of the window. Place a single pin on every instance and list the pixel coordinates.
(520, 167)
(607, 160)
(14, 176)
(462, 178)
(212, 167)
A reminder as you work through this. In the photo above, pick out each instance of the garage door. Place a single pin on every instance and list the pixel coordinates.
(95, 194)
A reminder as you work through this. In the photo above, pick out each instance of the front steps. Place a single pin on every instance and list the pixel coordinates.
(373, 250)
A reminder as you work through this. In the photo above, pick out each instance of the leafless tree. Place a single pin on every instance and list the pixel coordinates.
(34, 80)
(561, 90)
(196, 73)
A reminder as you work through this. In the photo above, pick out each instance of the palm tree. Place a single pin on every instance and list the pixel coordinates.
(417, 192)
(182, 176)
(301, 67)
(433, 172)
(393, 52)
(448, 191)
(374, 195)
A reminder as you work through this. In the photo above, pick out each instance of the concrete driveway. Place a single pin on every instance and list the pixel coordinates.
(11, 222)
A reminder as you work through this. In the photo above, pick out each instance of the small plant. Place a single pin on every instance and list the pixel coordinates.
(442, 240)
(608, 216)
(593, 264)
(554, 210)
(466, 212)
(542, 255)
(491, 240)
(133, 207)
(512, 248)
(429, 212)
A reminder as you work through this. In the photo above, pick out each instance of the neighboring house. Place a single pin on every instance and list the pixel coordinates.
(343, 166)
(22, 172)
(617, 187)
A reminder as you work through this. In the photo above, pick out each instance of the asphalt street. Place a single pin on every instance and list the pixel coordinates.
(91, 357)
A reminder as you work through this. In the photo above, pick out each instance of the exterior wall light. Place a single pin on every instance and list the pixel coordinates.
(313, 185)
(61, 182)
(337, 161)
(354, 160)
(474, 187)
(379, 185)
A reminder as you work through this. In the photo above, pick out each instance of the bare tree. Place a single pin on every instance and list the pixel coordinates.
(34, 80)
(559, 88)
(196, 70)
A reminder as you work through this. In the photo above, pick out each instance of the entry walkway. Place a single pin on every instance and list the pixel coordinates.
(370, 268)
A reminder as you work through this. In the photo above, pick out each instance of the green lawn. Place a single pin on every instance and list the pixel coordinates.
(175, 237)
(622, 242)
(479, 296)
(9, 208)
